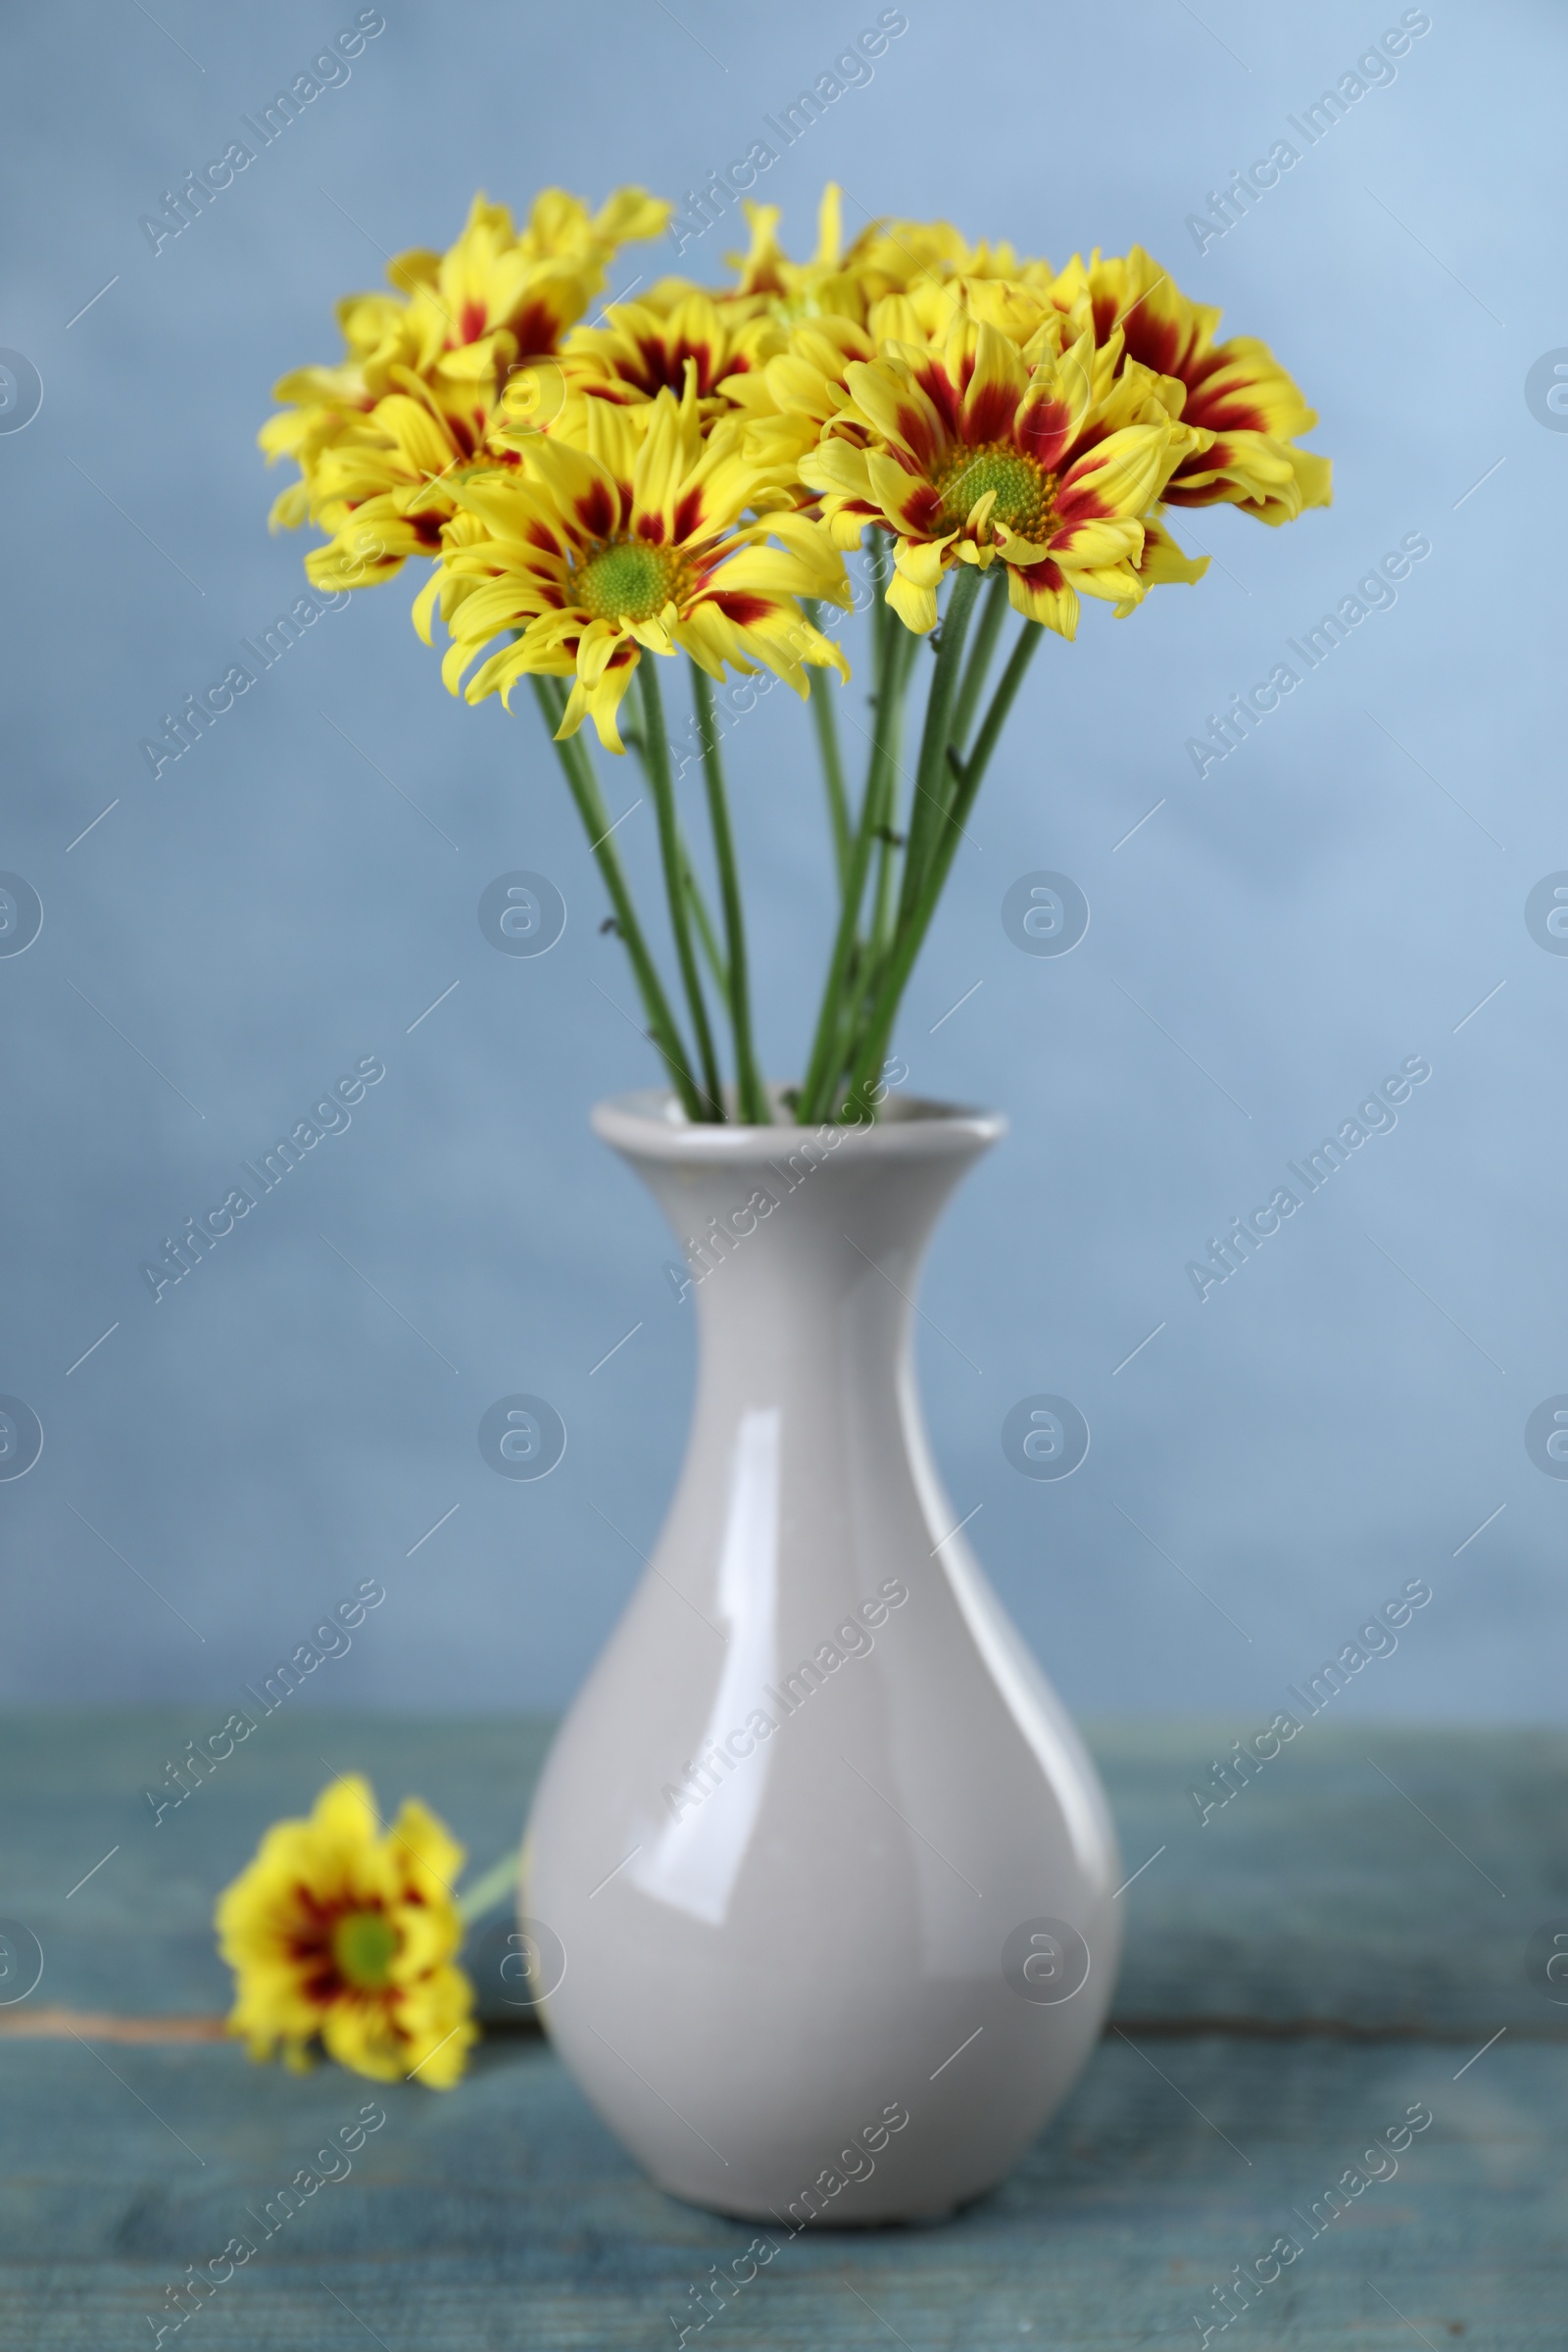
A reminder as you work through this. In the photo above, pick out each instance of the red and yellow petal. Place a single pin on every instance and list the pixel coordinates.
(899, 412)
(1162, 564)
(1117, 477)
(908, 502)
(998, 381)
(1042, 592)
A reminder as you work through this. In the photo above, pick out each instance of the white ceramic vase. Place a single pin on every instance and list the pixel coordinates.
(821, 1871)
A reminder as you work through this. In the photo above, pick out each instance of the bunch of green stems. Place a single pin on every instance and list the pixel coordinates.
(892, 852)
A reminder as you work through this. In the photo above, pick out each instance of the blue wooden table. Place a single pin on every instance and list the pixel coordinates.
(1354, 1940)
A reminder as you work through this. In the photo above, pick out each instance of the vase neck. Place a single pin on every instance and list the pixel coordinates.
(802, 1247)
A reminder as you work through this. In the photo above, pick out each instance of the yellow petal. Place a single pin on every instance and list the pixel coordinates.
(914, 605)
(920, 562)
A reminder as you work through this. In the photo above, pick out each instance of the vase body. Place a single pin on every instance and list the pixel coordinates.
(827, 1869)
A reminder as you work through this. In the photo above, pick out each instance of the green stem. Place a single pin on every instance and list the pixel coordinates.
(902, 652)
(707, 937)
(991, 616)
(825, 722)
(837, 1005)
(841, 1044)
(676, 890)
(911, 934)
(1025, 646)
(491, 1887)
(931, 780)
(584, 788)
(903, 649)
(751, 1094)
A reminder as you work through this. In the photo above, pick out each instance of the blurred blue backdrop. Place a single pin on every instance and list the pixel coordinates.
(222, 943)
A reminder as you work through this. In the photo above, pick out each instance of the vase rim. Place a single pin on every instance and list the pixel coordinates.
(649, 1124)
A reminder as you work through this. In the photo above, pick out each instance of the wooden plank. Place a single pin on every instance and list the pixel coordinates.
(1386, 1876)
(1326, 1890)
(1392, 1902)
(501, 2213)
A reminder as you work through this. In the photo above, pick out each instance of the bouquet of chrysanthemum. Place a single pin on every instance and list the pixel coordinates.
(685, 475)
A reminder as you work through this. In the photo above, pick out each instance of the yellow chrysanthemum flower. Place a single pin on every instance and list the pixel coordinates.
(325, 403)
(772, 285)
(791, 398)
(1237, 392)
(888, 256)
(634, 542)
(641, 349)
(897, 257)
(378, 437)
(984, 451)
(345, 1934)
(384, 489)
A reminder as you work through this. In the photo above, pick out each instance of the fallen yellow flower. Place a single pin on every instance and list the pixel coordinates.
(341, 1933)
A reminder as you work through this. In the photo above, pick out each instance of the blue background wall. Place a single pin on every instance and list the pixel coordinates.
(1333, 897)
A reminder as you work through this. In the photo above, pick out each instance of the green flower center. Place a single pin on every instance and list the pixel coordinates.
(790, 309)
(1018, 481)
(628, 581)
(364, 1945)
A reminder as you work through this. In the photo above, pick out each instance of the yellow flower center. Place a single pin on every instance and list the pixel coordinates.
(1020, 483)
(364, 1945)
(628, 581)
